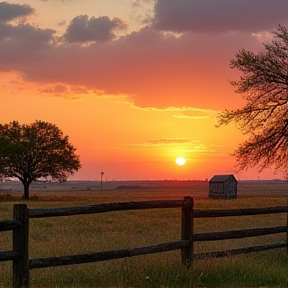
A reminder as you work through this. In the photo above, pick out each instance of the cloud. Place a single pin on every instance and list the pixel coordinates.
(24, 33)
(10, 11)
(152, 69)
(70, 91)
(187, 144)
(61, 23)
(84, 29)
(149, 67)
(170, 141)
(219, 16)
(23, 45)
(16, 36)
(195, 114)
(58, 88)
(183, 116)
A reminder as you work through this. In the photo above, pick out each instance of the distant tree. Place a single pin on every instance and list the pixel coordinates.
(29, 152)
(264, 85)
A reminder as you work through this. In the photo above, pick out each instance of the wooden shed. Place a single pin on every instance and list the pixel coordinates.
(223, 187)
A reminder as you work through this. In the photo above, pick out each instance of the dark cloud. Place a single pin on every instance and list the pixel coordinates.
(84, 29)
(25, 33)
(219, 16)
(10, 12)
(23, 44)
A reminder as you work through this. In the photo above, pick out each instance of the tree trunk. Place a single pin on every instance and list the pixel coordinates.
(26, 190)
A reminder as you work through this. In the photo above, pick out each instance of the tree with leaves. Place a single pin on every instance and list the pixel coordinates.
(30, 152)
(264, 85)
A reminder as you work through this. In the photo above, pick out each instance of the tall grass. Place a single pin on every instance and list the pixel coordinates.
(128, 229)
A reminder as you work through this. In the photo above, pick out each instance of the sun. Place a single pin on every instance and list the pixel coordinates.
(180, 161)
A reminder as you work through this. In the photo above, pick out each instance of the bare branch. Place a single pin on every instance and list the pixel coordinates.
(264, 118)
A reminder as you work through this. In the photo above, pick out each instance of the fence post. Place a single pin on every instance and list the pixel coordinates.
(287, 230)
(187, 231)
(20, 245)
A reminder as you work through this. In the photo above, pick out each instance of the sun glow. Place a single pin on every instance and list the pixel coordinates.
(180, 161)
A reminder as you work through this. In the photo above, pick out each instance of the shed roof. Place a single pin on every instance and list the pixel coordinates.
(221, 178)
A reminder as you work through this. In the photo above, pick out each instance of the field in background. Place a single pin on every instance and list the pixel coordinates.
(128, 229)
(142, 189)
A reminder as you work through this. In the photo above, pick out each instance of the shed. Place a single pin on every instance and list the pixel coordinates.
(223, 187)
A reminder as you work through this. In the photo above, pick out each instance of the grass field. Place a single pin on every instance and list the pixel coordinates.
(128, 229)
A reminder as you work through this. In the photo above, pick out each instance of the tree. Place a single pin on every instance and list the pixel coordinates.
(29, 152)
(264, 119)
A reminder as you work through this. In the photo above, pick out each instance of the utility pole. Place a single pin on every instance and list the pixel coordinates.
(102, 173)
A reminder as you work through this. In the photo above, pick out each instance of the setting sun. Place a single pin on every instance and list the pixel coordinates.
(134, 127)
(180, 161)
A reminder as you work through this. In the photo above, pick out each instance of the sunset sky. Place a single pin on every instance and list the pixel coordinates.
(134, 83)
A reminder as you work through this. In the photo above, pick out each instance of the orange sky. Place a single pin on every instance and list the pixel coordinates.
(133, 84)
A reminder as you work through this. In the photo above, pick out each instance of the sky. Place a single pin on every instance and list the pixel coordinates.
(133, 83)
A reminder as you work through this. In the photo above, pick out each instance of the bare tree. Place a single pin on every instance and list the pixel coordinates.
(264, 85)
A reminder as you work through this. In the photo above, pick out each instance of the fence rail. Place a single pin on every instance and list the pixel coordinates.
(239, 212)
(233, 252)
(236, 234)
(106, 255)
(107, 207)
(7, 225)
(20, 227)
(9, 255)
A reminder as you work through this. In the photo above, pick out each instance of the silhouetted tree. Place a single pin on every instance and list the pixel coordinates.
(264, 85)
(29, 152)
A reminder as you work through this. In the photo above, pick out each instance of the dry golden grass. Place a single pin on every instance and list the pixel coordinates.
(128, 229)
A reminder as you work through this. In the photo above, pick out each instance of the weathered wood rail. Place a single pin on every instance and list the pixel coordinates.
(20, 227)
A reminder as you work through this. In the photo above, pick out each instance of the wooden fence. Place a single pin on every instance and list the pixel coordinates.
(20, 226)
